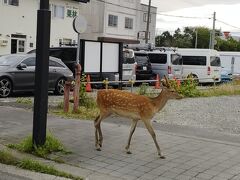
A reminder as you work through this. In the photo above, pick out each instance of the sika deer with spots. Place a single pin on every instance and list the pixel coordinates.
(132, 106)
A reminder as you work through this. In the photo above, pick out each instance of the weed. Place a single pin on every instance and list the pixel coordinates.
(22, 100)
(143, 88)
(51, 145)
(222, 90)
(29, 164)
(7, 158)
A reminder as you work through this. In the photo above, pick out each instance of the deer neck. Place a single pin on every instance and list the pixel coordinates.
(160, 101)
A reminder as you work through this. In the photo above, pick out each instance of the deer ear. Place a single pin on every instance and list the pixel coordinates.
(167, 82)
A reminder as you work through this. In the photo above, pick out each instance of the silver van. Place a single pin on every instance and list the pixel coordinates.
(165, 61)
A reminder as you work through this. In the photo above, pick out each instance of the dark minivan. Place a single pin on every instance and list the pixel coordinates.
(143, 67)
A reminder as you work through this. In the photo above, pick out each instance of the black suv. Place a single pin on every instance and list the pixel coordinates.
(143, 67)
(66, 54)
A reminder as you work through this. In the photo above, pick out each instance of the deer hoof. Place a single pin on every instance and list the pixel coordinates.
(129, 152)
(98, 149)
(162, 157)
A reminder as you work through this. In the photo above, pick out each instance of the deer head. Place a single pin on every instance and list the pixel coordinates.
(169, 91)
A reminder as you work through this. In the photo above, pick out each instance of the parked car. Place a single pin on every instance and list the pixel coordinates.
(226, 75)
(143, 66)
(203, 64)
(165, 62)
(17, 74)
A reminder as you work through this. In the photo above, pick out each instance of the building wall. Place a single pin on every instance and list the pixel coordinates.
(17, 20)
(22, 20)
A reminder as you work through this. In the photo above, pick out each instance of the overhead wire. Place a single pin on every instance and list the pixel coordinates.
(227, 24)
(158, 13)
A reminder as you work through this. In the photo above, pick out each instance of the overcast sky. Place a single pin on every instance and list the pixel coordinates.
(226, 11)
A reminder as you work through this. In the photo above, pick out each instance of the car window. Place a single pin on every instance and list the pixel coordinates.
(141, 58)
(54, 64)
(65, 54)
(9, 60)
(176, 59)
(55, 53)
(69, 55)
(157, 58)
(215, 61)
(128, 60)
(30, 61)
(194, 60)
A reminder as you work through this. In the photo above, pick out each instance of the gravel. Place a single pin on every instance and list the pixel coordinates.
(220, 114)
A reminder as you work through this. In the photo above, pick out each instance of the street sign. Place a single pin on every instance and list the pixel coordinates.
(79, 24)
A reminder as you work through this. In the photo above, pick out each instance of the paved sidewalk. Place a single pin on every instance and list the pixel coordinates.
(186, 157)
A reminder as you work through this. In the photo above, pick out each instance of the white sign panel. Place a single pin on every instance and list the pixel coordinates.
(110, 59)
(92, 56)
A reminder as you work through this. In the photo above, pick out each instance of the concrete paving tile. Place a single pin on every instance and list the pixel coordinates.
(205, 176)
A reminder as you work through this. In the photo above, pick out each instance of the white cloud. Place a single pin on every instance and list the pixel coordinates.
(171, 5)
(225, 13)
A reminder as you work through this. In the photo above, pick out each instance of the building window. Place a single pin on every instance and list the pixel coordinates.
(112, 20)
(145, 17)
(128, 23)
(11, 2)
(58, 11)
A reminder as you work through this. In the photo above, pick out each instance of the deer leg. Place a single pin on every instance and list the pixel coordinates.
(98, 131)
(151, 131)
(133, 127)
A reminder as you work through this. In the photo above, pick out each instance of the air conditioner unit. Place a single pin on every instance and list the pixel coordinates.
(3, 42)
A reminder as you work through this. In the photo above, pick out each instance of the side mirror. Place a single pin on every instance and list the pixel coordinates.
(22, 66)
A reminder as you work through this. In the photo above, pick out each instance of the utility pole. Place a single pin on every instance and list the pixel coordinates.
(196, 38)
(213, 31)
(41, 74)
(148, 21)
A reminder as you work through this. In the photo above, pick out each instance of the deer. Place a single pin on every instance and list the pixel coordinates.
(132, 106)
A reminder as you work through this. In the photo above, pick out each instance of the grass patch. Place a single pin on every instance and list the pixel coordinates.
(82, 113)
(52, 145)
(42, 168)
(226, 89)
(29, 164)
(7, 158)
(22, 100)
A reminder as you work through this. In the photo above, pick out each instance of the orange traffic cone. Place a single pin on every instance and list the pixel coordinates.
(88, 85)
(178, 83)
(157, 84)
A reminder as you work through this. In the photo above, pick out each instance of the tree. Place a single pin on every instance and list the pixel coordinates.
(165, 39)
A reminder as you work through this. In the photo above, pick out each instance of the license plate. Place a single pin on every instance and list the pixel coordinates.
(177, 72)
(144, 68)
(127, 72)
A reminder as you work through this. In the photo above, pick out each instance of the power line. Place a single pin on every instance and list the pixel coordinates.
(187, 17)
(227, 24)
(158, 13)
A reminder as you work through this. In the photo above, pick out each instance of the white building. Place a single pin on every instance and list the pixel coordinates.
(110, 20)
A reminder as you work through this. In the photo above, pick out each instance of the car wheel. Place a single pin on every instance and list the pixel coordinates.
(5, 87)
(59, 88)
(196, 80)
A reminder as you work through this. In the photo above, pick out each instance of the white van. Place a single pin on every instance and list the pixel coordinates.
(203, 64)
(165, 61)
(230, 61)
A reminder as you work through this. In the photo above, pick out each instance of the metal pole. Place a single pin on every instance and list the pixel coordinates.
(148, 22)
(78, 49)
(41, 74)
(196, 39)
(77, 78)
(213, 31)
